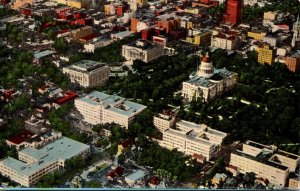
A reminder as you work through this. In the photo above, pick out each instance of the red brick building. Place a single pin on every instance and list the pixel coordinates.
(168, 25)
(234, 11)
(133, 24)
(26, 11)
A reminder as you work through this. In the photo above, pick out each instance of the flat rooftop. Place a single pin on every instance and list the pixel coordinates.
(288, 155)
(86, 66)
(113, 103)
(42, 54)
(263, 160)
(295, 54)
(20, 138)
(190, 124)
(136, 175)
(143, 44)
(257, 145)
(216, 132)
(184, 135)
(61, 149)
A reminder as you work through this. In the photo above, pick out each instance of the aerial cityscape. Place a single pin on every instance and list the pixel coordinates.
(161, 94)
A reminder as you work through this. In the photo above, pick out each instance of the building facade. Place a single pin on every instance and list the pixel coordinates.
(199, 38)
(193, 139)
(256, 35)
(87, 73)
(82, 32)
(164, 120)
(265, 54)
(20, 3)
(34, 163)
(234, 11)
(29, 139)
(208, 82)
(293, 62)
(143, 50)
(265, 161)
(100, 108)
(223, 41)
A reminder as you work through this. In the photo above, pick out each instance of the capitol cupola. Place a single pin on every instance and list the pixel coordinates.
(206, 68)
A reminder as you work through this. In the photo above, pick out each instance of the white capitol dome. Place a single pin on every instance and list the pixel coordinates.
(206, 68)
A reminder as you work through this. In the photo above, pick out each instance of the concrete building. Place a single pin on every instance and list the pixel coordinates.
(191, 138)
(74, 3)
(266, 54)
(225, 41)
(272, 41)
(92, 46)
(87, 73)
(20, 3)
(79, 33)
(34, 163)
(256, 35)
(294, 183)
(293, 61)
(265, 161)
(208, 82)
(100, 108)
(143, 50)
(29, 139)
(199, 37)
(164, 120)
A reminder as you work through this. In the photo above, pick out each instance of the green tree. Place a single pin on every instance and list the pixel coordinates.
(61, 46)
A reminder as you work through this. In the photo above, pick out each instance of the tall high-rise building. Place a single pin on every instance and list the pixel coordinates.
(234, 11)
(265, 54)
(296, 30)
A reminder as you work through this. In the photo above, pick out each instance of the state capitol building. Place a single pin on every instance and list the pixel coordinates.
(208, 82)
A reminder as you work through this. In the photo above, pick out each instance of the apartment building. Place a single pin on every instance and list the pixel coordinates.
(199, 37)
(225, 41)
(256, 35)
(293, 61)
(101, 108)
(87, 73)
(272, 41)
(143, 50)
(208, 82)
(77, 34)
(193, 139)
(34, 163)
(164, 120)
(265, 161)
(265, 54)
(168, 24)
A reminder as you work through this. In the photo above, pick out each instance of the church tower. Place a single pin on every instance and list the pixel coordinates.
(296, 31)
